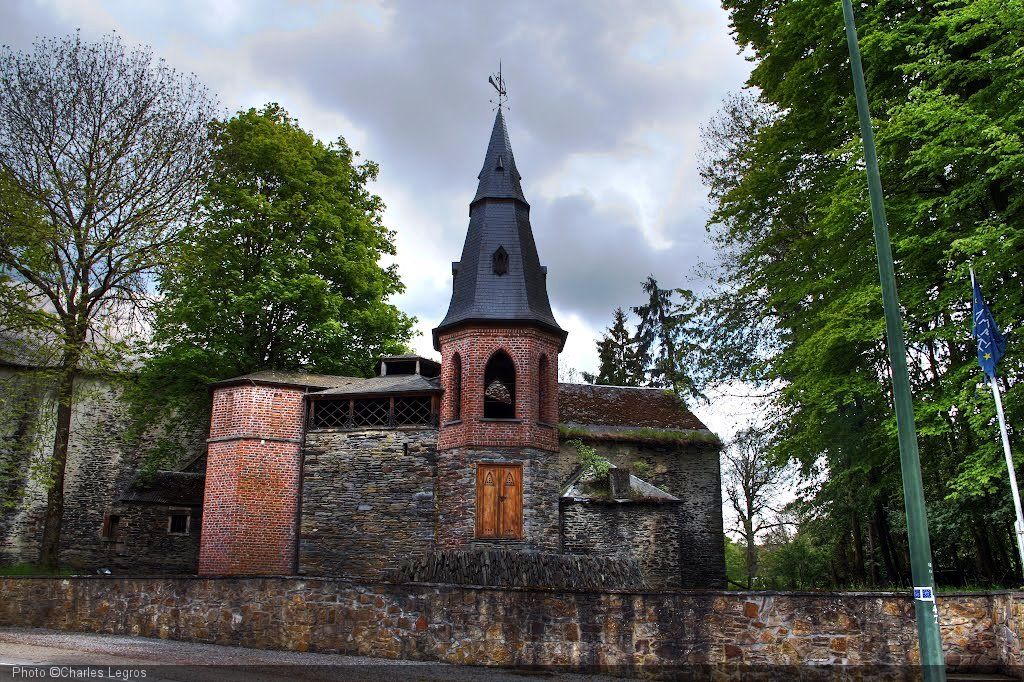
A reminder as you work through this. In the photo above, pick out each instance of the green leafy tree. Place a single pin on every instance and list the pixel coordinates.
(103, 152)
(797, 279)
(283, 271)
(668, 337)
(753, 477)
(622, 362)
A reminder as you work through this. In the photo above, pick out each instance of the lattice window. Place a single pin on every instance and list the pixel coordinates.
(330, 414)
(413, 411)
(372, 412)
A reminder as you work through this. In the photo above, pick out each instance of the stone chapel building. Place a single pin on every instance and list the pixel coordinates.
(307, 474)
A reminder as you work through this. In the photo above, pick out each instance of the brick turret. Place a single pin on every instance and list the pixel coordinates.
(499, 346)
(252, 479)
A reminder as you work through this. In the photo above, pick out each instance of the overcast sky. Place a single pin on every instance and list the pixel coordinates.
(606, 100)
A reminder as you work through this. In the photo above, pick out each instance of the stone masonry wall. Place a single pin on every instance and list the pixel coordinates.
(647, 531)
(367, 500)
(456, 497)
(102, 462)
(488, 626)
(144, 546)
(250, 505)
(689, 472)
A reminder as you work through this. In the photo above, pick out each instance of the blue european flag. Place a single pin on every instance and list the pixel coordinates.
(991, 344)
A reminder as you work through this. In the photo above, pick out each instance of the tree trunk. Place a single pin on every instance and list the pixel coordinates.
(49, 549)
(885, 543)
(982, 555)
(858, 548)
(873, 566)
(751, 553)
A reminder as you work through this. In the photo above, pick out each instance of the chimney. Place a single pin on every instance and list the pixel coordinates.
(618, 483)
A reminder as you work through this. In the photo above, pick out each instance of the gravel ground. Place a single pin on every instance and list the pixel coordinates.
(23, 651)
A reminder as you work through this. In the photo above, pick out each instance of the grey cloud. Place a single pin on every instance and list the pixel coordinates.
(411, 75)
(597, 256)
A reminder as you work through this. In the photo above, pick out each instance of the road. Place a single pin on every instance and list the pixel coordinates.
(27, 653)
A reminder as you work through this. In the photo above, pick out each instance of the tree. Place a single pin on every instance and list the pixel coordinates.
(622, 363)
(668, 336)
(752, 478)
(797, 280)
(283, 270)
(102, 156)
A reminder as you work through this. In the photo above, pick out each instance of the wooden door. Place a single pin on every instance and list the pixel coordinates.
(499, 501)
(510, 503)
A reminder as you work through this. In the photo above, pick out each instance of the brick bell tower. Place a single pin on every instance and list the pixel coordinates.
(499, 348)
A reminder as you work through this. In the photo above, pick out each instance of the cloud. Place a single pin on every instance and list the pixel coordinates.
(606, 99)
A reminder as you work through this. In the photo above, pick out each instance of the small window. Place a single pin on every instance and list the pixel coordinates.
(455, 400)
(111, 523)
(500, 261)
(500, 387)
(178, 522)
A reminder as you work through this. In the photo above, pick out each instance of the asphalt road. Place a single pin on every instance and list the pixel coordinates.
(27, 653)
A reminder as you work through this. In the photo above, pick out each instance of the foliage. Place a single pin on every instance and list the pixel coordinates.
(32, 569)
(640, 468)
(667, 336)
(735, 564)
(281, 273)
(752, 478)
(102, 156)
(644, 435)
(797, 298)
(622, 361)
(794, 563)
(589, 460)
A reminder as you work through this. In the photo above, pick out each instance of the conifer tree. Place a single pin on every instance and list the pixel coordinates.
(667, 336)
(622, 363)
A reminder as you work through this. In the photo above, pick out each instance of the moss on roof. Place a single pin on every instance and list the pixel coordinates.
(644, 435)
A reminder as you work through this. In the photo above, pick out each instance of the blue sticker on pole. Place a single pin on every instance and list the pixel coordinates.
(924, 594)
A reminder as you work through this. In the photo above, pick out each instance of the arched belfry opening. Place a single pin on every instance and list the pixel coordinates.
(500, 387)
(543, 411)
(455, 399)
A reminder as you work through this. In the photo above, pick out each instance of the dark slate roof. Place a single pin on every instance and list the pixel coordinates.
(499, 178)
(499, 216)
(387, 385)
(184, 488)
(654, 408)
(425, 363)
(282, 378)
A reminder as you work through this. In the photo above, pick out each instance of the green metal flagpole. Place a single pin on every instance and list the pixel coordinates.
(910, 461)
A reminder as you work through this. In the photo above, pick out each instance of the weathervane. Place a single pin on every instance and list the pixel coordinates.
(499, 84)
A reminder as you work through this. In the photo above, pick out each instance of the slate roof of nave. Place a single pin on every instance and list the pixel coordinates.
(584, 405)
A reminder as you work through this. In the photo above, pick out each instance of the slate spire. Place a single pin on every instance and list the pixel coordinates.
(499, 177)
(499, 278)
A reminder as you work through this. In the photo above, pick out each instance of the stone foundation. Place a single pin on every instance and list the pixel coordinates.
(620, 631)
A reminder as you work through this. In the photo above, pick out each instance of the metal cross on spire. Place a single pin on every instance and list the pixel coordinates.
(499, 85)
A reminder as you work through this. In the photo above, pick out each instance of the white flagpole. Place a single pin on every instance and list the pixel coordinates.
(1019, 524)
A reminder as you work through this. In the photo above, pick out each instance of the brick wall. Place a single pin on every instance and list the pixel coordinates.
(643, 530)
(475, 346)
(250, 506)
(618, 631)
(367, 500)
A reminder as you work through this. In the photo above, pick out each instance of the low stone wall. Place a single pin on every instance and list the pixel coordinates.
(489, 626)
